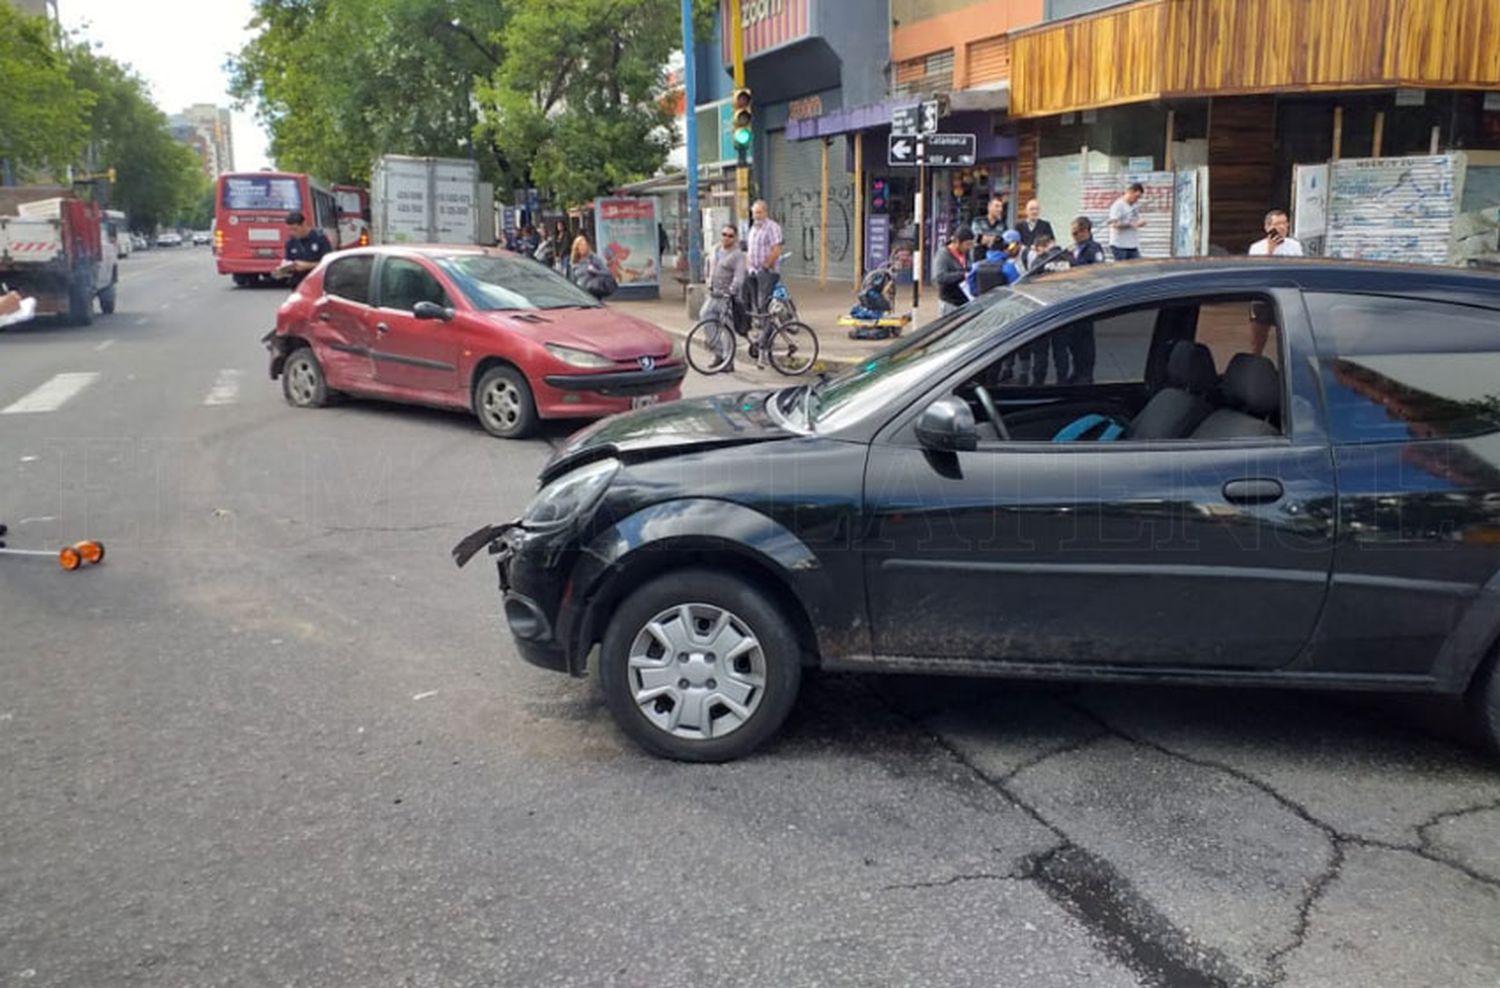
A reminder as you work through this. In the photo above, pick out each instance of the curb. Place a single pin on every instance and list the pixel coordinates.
(823, 365)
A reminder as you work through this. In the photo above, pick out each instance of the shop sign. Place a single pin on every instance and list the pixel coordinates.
(806, 108)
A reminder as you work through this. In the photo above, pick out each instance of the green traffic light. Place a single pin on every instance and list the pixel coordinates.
(742, 137)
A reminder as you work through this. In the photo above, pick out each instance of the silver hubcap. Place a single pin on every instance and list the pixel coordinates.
(304, 382)
(502, 404)
(697, 671)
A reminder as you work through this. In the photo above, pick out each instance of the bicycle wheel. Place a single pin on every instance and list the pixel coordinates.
(702, 355)
(793, 348)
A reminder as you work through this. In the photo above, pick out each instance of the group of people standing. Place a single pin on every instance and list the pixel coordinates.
(571, 255)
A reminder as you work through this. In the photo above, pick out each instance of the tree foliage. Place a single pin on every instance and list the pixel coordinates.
(340, 82)
(565, 95)
(158, 179)
(42, 114)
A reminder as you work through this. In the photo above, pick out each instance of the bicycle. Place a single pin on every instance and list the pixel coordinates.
(776, 336)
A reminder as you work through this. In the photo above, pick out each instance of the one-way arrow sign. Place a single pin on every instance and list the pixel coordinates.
(901, 150)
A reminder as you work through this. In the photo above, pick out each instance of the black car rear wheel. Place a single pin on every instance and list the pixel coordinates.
(699, 666)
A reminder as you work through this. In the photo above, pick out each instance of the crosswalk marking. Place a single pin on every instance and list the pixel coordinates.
(226, 389)
(53, 394)
(104, 346)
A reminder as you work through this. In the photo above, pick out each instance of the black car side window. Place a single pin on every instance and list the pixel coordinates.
(1204, 368)
(1404, 370)
(349, 278)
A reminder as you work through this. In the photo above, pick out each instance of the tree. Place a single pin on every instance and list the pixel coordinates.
(340, 82)
(578, 107)
(157, 177)
(42, 114)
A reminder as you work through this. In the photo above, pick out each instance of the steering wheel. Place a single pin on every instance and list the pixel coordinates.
(988, 404)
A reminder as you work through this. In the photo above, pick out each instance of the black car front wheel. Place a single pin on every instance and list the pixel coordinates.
(700, 666)
(1484, 699)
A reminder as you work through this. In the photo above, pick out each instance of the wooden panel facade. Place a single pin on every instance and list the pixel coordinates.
(1187, 48)
(1028, 149)
(989, 61)
(1242, 169)
(1110, 57)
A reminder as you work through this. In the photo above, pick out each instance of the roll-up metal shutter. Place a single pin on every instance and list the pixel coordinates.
(794, 195)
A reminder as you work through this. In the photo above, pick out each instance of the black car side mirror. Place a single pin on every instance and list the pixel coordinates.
(431, 310)
(947, 425)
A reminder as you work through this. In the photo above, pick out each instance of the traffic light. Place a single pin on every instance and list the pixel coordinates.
(111, 173)
(741, 130)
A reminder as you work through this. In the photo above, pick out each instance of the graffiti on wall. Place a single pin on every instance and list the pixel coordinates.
(800, 214)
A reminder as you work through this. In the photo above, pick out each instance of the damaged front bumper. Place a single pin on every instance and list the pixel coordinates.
(530, 624)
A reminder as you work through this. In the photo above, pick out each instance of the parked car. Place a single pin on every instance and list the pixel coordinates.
(1092, 475)
(202, 238)
(467, 328)
(169, 238)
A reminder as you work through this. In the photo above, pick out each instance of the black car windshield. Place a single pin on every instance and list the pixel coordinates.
(494, 283)
(874, 383)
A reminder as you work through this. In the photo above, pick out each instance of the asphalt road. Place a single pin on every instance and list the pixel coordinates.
(278, 739)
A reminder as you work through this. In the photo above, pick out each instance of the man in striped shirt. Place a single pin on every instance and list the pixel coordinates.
(763, 244)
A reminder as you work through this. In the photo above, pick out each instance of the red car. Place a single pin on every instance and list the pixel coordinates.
(470, 328)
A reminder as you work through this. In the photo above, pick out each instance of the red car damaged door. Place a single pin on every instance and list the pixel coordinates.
(340, 323)
(417, 356)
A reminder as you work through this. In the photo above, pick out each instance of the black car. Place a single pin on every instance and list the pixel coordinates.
(1268, 472)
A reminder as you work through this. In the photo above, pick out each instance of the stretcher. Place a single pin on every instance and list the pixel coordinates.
(889, 325)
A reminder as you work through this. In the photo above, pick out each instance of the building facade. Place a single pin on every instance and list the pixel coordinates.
(207, 130)
(1248, 91)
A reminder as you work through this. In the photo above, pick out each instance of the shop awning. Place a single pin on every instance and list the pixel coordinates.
(868, 117)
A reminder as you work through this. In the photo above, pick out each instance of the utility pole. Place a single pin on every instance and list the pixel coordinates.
(919, 265)
(690, 134)
(737, 53)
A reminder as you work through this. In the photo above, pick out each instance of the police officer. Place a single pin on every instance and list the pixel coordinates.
(304, 248)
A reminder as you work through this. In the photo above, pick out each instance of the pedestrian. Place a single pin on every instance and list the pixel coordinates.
(1033, 226)
(530, 240)
(1276, 243)
(764, 244)
(304, 248)
(724, 273)
(953, 271)
(1125, 224)
(1073, 347)
(588, 270)
(560, 243)
(989, 228)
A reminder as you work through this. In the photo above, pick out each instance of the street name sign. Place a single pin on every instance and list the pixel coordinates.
(904, 120)
(947, 150)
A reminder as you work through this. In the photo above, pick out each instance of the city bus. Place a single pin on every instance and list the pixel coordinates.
(250, 230)
(353, 205)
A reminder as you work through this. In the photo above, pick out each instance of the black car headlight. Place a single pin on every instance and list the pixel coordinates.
(570, 495)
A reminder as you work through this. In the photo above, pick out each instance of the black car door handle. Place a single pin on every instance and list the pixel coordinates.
(1253, 491)
(381, 327)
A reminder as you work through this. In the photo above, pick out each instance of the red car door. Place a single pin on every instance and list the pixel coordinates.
(417, 356)
(339, 322)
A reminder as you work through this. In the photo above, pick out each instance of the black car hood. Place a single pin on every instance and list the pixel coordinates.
(720, 420)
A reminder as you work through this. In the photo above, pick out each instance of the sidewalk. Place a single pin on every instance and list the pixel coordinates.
(819, 307)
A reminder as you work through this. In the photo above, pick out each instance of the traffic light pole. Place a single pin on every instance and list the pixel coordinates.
(737, 53)
(690, 126)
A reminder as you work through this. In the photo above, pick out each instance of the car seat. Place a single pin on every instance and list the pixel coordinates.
(1251, 390)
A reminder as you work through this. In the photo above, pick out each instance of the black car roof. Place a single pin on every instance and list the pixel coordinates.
(1317, 274)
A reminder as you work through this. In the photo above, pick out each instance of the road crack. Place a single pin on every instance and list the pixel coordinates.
(981, 876)
(1339, 840)
(1125, 925)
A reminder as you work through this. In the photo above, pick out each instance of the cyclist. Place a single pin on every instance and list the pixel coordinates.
(724, 271)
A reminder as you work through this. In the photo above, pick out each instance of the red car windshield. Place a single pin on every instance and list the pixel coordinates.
(497, 283)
